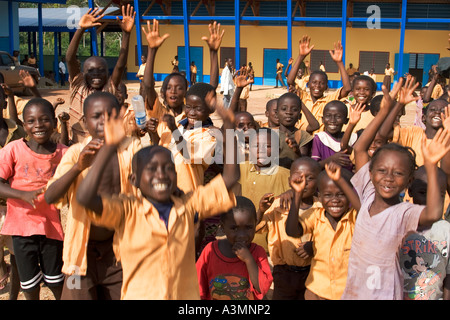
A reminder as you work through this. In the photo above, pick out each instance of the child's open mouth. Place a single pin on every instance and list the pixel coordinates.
(160, 186)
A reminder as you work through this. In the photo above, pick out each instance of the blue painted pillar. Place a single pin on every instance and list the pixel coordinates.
(344, 29)
(137, 25)
(10, 26)
(186, 40)
(93, 32)
(400, 70)
(289, 29)
(41, 40)
(237, 35)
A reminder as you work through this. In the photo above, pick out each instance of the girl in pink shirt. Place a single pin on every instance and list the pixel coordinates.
(35, 226)
(384, 220)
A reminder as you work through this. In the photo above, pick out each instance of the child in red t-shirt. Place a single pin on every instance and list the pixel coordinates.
(234, 267)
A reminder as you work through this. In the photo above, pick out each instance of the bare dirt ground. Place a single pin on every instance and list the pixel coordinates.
(256, 105)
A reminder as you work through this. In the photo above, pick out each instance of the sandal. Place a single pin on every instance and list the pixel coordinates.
(4, 279)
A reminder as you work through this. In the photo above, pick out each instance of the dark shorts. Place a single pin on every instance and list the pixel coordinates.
(289, 282)
(103, 279)
(38, 258)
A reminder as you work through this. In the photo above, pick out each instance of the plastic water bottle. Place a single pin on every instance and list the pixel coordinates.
(139, 111)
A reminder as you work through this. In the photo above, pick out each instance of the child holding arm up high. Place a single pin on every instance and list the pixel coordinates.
(384, 220)
(155, 228)
(315, 100)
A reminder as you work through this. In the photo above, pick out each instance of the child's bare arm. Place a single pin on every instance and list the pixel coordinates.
(154, 41)
(406, 95)
(433, 82)
(304, 50)
(334, 172)
(241, 81)
(293, 226)
(264, 203)
(290, 62)
(433, 153)
(126, 24)
(337, 55)
(114, 135)
(12, 109)
(445, 162)
(362, 145)
(89, 20)
(28, 196)
(60, 187)
(244, 254)
(64, 120)
(355, 116)
(213, 42)
(313, 124)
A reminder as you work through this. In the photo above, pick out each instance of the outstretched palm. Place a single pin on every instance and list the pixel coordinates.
(337, 53)
(91, 19)
(114, 128)
(127, 22)
(304, 46)
(215, 36)
(152, 35)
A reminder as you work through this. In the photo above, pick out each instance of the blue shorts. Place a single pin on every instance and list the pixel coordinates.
(38, 258)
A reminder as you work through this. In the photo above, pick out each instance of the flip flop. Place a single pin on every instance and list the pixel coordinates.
(4, 279)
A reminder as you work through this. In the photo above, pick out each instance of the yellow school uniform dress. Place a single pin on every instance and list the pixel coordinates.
(328, 274)
(78, 224)
(411, 137)
(20, 104)
(255, 183)
(159, 263)
(281, 246)
(300, 84)
(316, 108)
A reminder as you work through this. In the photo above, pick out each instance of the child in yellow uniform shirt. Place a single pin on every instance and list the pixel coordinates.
(315, 100)
(155, 228)
(331, 227)
(290, 256)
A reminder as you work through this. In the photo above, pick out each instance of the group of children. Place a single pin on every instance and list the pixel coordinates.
(331, 198)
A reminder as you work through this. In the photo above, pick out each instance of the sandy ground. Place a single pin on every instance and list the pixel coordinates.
(256, 105)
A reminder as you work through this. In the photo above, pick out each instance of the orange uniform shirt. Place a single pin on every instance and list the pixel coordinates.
(159, 262)
(328, 274)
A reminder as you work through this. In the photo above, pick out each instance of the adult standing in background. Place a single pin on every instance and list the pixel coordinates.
(279, 76)
(388, 73)
(62, 71)
(175, 64)
(193, 73)
(227, 85)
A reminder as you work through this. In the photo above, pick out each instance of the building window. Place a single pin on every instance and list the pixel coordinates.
(323, 56)
(373, 59)
(229, 52)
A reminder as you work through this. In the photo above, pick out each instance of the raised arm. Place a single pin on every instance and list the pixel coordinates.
(12, 108)
(126, 24)
(28, 81)
(293, 226)
(355, 116)
(313, 124)
(241, 81)
(337, 55)
(433, 153)
(445, 162)
(231, 172)
(59, 188)
(154, 41)
(213, 42)
(361, 147)
(334, 172)
(89, 20)
(114, 135)
(406, 95)
(290, 62)
(304, 50)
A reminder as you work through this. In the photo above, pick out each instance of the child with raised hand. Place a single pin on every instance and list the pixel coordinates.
(235, 259)
(423, 255)
(100, 275)
(175, 85)
(384, 220)
(290, 257)
(315, 100)
(294, 142)
(155, 227)
(333, 144)
(94, 76)
(35, 227)
(331, 227)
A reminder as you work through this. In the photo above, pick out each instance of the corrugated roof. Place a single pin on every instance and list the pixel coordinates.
(54, 17)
